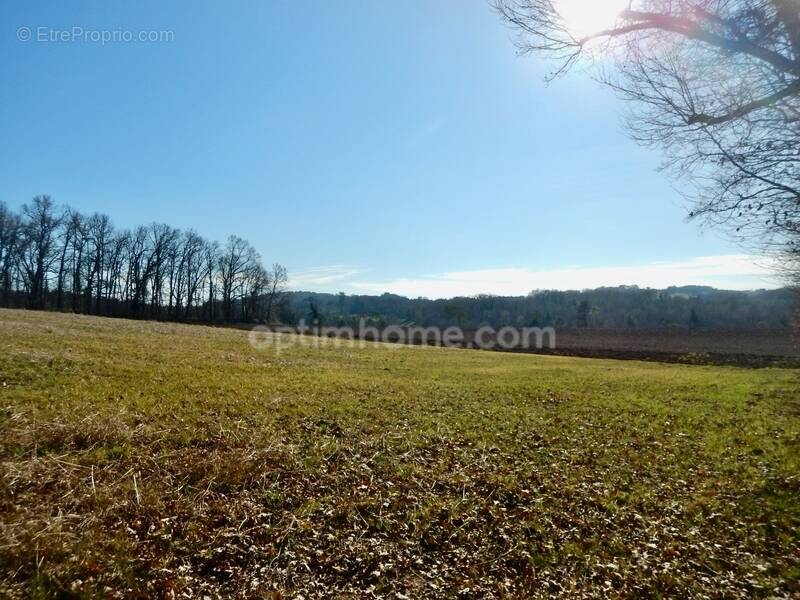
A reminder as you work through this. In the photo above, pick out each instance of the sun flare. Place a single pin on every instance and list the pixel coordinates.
(585, 17)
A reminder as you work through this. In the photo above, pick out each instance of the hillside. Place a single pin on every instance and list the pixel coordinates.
(628, 307)
(150, 460)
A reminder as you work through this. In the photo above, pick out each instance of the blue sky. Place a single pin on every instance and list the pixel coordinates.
(368, 146)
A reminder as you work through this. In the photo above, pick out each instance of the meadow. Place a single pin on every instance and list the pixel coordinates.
(158, 460)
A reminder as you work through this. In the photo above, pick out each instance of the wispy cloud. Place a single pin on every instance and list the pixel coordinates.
(322, 277)
(733, 271)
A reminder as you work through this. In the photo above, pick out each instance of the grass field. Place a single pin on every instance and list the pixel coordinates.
(153, 460)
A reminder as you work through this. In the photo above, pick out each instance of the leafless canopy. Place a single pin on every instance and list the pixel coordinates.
(55, 257)
(714, 83)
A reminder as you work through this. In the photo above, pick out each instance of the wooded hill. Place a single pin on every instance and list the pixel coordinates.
(607, 308)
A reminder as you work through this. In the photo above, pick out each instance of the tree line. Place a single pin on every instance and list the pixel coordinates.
(627, 307)
(55, 258)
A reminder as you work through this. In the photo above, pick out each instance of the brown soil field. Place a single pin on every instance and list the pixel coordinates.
(743, 347)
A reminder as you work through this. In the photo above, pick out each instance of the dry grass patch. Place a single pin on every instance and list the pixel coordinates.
(148, 460)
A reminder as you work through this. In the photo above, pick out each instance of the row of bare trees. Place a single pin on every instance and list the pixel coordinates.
(56, 258)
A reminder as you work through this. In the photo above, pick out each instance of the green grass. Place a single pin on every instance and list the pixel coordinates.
(386, 471)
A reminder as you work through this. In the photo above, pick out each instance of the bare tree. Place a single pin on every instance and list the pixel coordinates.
(77, 223)
(193, 247)
(9, 238)
(211, 258)
(715, 84)
(70, 230)
(236, 260)
(278, 280)
(99, 234)
(254, 285)
(162, 240)
(38, 247)
(116, 271)
(140, 269)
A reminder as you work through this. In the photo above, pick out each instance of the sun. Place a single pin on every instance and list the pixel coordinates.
(586, 17)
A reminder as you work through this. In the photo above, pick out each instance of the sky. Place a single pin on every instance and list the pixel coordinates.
(368, 146)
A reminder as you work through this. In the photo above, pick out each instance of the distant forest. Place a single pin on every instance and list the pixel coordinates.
(602, 308)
